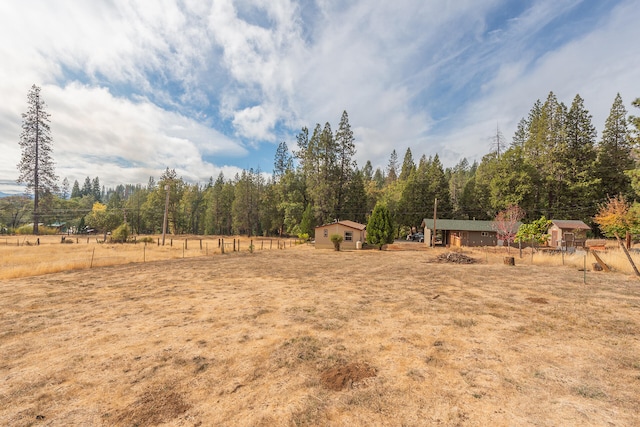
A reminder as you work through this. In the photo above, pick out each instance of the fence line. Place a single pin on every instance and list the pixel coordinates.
(102, 255)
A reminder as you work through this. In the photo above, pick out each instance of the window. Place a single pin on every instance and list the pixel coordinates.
(348, 236)
(326, 233)
(485, 234)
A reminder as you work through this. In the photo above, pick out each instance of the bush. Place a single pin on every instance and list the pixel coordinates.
(120, 234)
(147, 239)
(303, 236)
(379, 228)
(336, 239)
(28, 229)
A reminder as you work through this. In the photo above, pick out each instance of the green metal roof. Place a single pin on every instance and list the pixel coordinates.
(459, 224)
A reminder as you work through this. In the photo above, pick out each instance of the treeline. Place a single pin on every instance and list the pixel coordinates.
(555, 165)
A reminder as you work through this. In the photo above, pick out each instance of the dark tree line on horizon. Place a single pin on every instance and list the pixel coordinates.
(555, 165)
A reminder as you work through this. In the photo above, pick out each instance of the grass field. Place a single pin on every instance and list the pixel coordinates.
(301, 337)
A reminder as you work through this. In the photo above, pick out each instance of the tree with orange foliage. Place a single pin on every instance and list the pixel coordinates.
(616, 217)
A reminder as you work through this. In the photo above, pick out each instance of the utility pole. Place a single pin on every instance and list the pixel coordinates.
(435, 213)
(166, 208)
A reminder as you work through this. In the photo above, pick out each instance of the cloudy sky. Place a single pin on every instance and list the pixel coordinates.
(134, 87)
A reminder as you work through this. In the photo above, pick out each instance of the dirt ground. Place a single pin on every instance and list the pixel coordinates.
(303, 337)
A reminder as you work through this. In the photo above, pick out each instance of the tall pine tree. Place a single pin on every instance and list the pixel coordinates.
(614, 154)
(345, 150)
(36, 166)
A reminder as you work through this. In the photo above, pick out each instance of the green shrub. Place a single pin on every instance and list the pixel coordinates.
(303, 236)
(28, 229)
(336, 239)
(120, 234)
(147, 239)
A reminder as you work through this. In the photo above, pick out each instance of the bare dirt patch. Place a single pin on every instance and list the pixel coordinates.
(341, 377)
(264, 338)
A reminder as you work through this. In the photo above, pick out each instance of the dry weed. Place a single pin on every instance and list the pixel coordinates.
(310, 337)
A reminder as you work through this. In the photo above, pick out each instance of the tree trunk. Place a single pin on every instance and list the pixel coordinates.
(626, 252)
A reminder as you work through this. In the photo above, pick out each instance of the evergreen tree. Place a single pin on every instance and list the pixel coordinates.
(270, 214)
(634, 175)
(380, 230)
(192, 208)
(458, 178)
(302, 140)
(511, 181)
(379, 178)
(75, 191)
(153, 207)
(345, 150)
(392, 167)
(322, 173)
(36, 165)
(521, 135)
(87, 188)
(283, 161)
(133, 206)
(245, 203)
(64, 190)
(439, 187)
(579, 162)
(307, 223)
(219, 217)
(407, 165)
(292, 204)
(635, 121)
(356, 203)
(614, 154)
(367, 171)
(96, 189)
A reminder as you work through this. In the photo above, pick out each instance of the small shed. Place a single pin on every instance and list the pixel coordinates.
(567, 233)
(457, 232)
(352, 232)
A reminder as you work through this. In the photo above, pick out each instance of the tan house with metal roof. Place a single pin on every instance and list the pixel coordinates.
(352, 232)
(567, 233)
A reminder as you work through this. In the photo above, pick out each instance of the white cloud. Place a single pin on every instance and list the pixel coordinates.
(596, 66)
(96, 134)
(158, 75)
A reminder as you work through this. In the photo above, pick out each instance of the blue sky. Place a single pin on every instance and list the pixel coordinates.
(201, 86)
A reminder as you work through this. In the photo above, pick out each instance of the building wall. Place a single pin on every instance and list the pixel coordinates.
(557, 235)
(323, 236)
(473, 238)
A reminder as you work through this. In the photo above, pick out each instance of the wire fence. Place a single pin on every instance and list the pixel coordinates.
(33, 256)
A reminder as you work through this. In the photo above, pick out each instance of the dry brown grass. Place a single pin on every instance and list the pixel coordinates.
(311, 337)
(21, 257)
